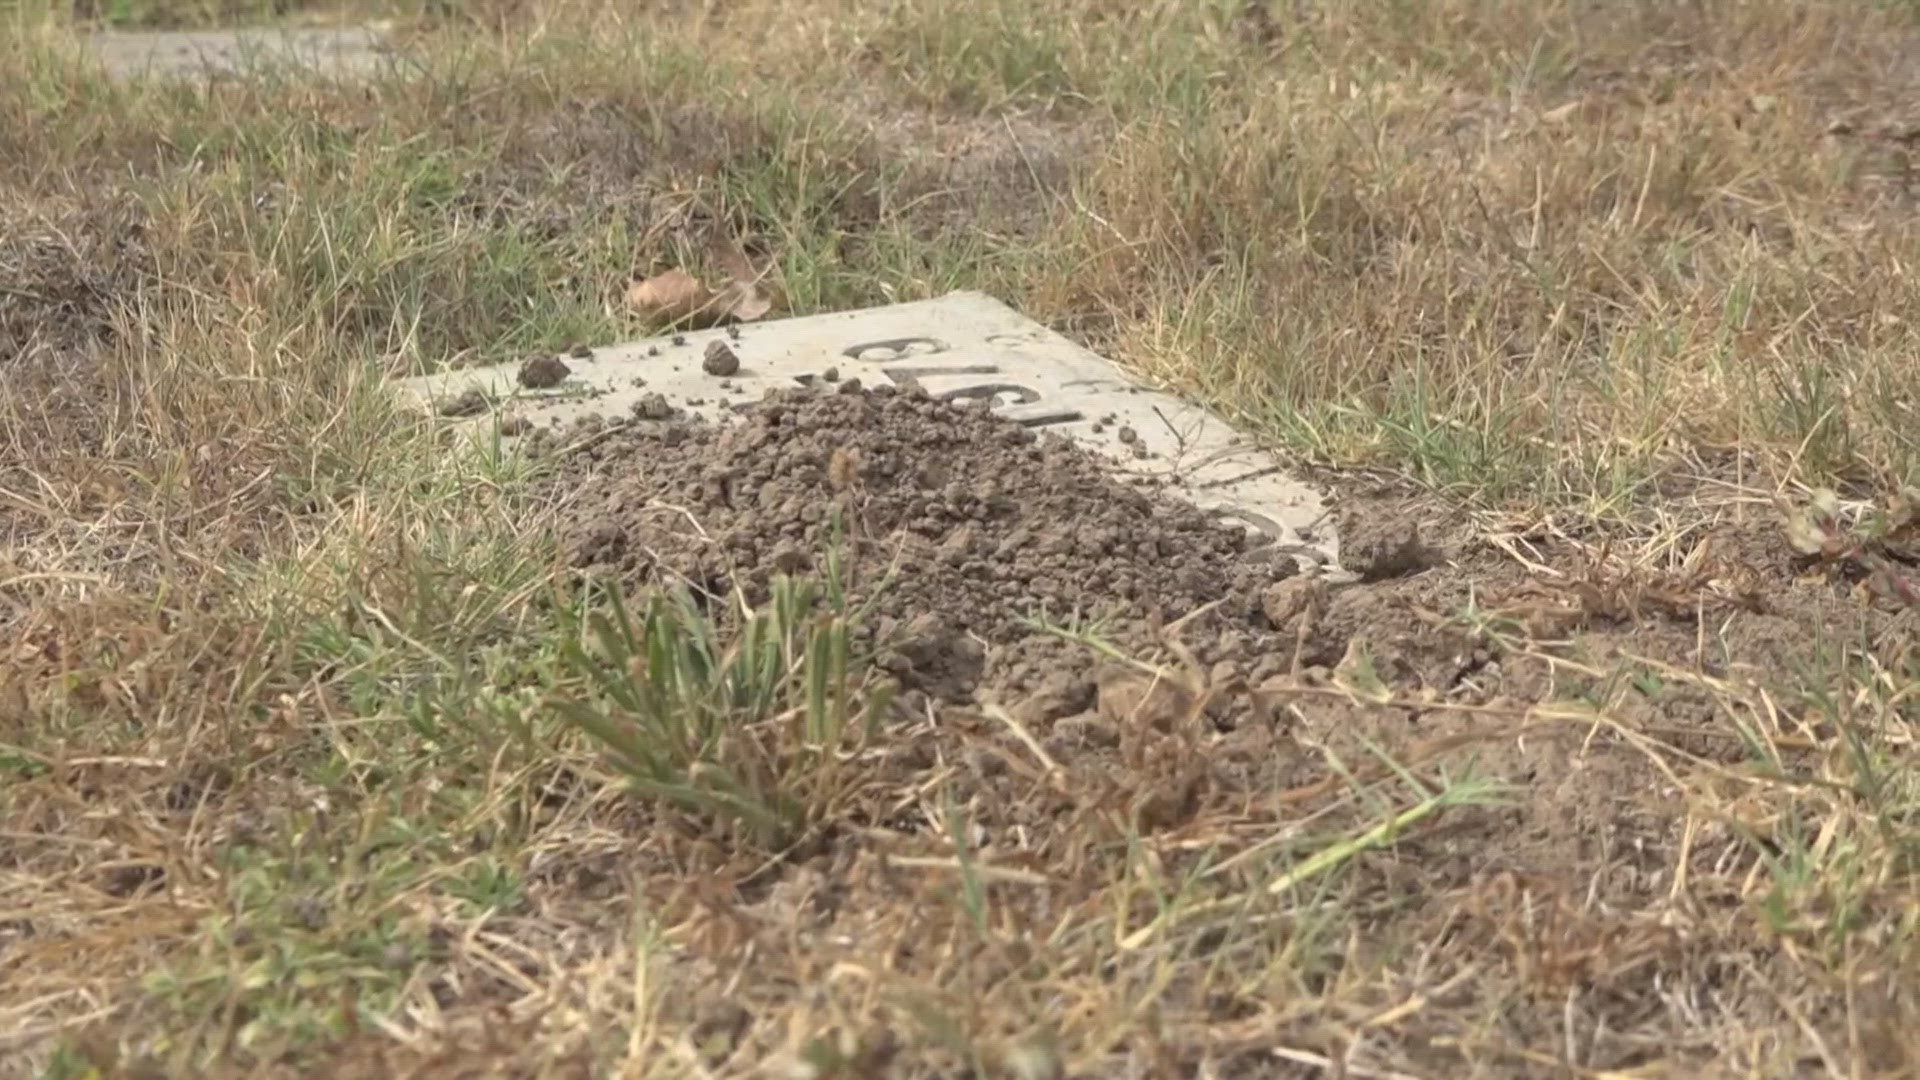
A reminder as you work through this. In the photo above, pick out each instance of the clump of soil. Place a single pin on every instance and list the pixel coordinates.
(957, 525)
(543, 372)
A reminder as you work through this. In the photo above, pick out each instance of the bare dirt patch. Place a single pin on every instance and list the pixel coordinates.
(69, 268)
(1604, 895)
(64, 266)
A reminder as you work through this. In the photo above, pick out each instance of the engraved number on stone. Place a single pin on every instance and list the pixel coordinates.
(1268, 527)
(880, 352)
(998, 395)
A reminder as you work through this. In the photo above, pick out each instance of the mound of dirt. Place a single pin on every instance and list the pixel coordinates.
(1602, 695)
(956, 525)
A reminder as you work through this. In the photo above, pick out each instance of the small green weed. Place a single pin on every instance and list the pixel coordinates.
(757, 727)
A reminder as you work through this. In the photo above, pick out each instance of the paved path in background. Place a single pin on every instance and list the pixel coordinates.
(197, 53)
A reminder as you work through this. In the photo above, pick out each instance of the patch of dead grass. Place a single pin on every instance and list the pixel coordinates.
(279, 790)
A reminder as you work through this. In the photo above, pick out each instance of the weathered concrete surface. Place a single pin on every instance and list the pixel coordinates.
(961, 346)
(198, 53)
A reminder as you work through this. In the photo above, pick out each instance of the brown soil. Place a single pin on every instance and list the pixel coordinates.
(959, 528)
(956, 525)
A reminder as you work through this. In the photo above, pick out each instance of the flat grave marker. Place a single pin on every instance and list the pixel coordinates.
(962, 346)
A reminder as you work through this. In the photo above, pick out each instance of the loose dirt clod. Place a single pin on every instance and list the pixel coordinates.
(1385, 548)
(653, 407)
(720, 360)
(543, 372)
(470, 403)
(1285, 601)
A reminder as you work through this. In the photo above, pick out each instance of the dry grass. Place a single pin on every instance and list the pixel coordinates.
(282, 789)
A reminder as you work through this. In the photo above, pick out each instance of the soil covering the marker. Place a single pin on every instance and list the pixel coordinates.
(960, 530)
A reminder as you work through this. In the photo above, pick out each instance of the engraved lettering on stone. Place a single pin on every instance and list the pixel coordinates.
(996, 395)
(1043, 415)
(1005, 397)
(880, 352)
(917, 374)
(1265, 525)
(1236, 478)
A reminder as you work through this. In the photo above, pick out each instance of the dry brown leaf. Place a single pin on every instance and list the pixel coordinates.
(670, 298)
(749, 295)
(678, 298)
(745, 301)
(731, 258)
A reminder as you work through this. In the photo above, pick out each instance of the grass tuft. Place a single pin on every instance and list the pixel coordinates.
(758, 727)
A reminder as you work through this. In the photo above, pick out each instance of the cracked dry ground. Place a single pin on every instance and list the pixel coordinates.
(1598, 905)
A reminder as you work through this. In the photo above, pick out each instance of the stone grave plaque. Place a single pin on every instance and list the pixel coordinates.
(959, 346)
